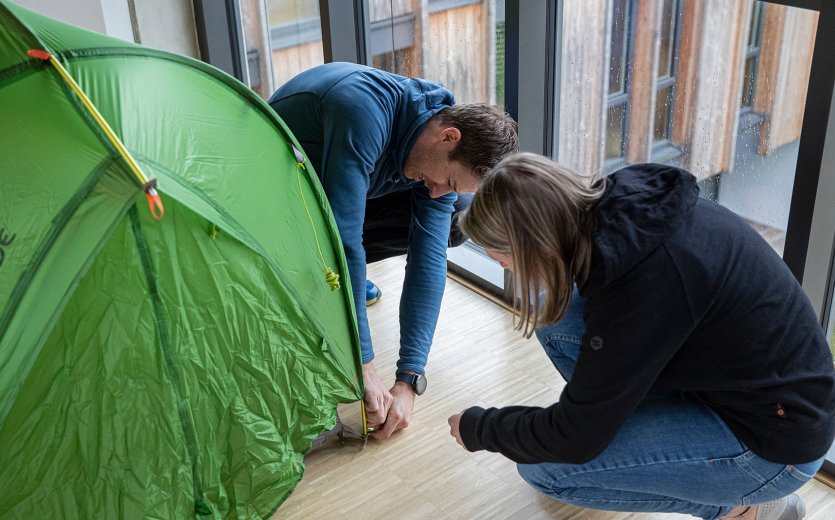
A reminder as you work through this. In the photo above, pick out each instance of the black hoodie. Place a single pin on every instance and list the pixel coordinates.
(684, 295)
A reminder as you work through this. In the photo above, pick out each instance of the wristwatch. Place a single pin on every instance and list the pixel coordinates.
(416, 381)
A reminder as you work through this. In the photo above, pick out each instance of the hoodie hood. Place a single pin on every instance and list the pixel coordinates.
(413, 102)
(420, 101)
(642, 205)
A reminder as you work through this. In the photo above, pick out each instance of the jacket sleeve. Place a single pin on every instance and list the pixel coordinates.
(355, 135)
(634, 327)
(423, 286)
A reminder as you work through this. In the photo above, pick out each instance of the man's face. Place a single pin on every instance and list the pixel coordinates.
(444, 176)
(429, 162)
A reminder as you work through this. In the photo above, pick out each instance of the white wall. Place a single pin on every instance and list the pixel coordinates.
(111, 17)
(162, 24)
(167, 25)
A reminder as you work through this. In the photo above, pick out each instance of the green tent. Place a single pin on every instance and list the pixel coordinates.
(157, 368)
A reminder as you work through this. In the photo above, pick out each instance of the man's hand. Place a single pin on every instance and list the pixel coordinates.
(377, 399)
(454, 421)
(399, 413)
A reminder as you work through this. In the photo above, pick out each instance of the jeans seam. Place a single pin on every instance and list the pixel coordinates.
(644, 464)
(563, 337)
(748, 470)
(667, 501)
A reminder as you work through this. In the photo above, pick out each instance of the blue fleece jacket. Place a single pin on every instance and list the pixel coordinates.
(357, 125)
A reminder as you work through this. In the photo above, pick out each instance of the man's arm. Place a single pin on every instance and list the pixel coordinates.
(420, 302)
(353, 140)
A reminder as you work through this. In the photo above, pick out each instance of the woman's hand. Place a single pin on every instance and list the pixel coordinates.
(454, 421)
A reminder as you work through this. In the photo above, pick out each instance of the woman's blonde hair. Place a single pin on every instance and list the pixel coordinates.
(538, 213)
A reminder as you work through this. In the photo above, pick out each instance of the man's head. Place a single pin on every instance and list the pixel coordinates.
(459, 145)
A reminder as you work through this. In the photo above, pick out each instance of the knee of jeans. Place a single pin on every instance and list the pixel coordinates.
(534, 475)
(530, 473)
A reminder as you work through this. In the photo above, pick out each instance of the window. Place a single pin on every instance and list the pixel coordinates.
(752, 56)
(282, 38)
(618, 97)
(643, 49)
(665, 76)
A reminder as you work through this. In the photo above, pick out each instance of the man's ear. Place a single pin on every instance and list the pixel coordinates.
(450, 133)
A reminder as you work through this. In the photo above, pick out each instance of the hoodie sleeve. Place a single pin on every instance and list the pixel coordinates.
(355, 134)
(423, 286)
(633, 329)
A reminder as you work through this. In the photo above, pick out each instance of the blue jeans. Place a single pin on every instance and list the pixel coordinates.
(673, 455)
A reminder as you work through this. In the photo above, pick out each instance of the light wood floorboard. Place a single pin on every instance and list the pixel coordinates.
(421, 473)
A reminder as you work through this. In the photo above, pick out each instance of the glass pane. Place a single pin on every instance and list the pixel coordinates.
(756, 23)
(663, 109)
(288, 32)
(620, 40)
(668, 20)
(748, 82)
(614, 131)
(451, 42)
(830, 327)
(747, 160)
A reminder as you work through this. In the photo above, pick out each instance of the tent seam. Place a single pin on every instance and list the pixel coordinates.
(58, 224)
(186, 423)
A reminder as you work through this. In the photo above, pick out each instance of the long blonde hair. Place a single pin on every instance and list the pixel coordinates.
(538, 213)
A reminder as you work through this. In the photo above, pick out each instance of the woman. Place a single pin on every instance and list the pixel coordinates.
(698, 378)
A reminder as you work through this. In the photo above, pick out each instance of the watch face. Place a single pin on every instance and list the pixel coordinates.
(420, 384)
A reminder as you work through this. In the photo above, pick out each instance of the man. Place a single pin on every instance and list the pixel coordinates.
(392, 154)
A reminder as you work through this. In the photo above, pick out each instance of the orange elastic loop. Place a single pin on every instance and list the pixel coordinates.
(155, 204)
(38, 54)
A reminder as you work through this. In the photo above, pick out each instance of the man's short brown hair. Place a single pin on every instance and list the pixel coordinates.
(488, 134)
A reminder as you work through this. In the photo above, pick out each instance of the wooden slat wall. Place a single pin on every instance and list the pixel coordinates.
(642, 84)
(418, 52)
(382, 9)
(293, 60)
(458, 52)
(257, 37)
(717, 83)
(688, 68)
(783, 77)
(585, 74)
(725, 148)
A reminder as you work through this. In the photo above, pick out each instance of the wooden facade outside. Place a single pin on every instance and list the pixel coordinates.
(584, 75)
(710, 60)
(454, 44)
(784, 74)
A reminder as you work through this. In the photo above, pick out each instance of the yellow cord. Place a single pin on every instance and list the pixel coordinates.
(331, 277)
(100, 120)
(365, 430)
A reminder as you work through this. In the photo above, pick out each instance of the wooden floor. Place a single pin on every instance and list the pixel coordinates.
(421, 473)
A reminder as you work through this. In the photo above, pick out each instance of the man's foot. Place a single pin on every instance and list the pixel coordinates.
(372, 293)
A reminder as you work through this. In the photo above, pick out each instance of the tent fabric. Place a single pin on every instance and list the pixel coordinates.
(157, 368)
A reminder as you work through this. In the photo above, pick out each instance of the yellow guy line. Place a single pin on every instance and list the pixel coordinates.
(47, 56)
